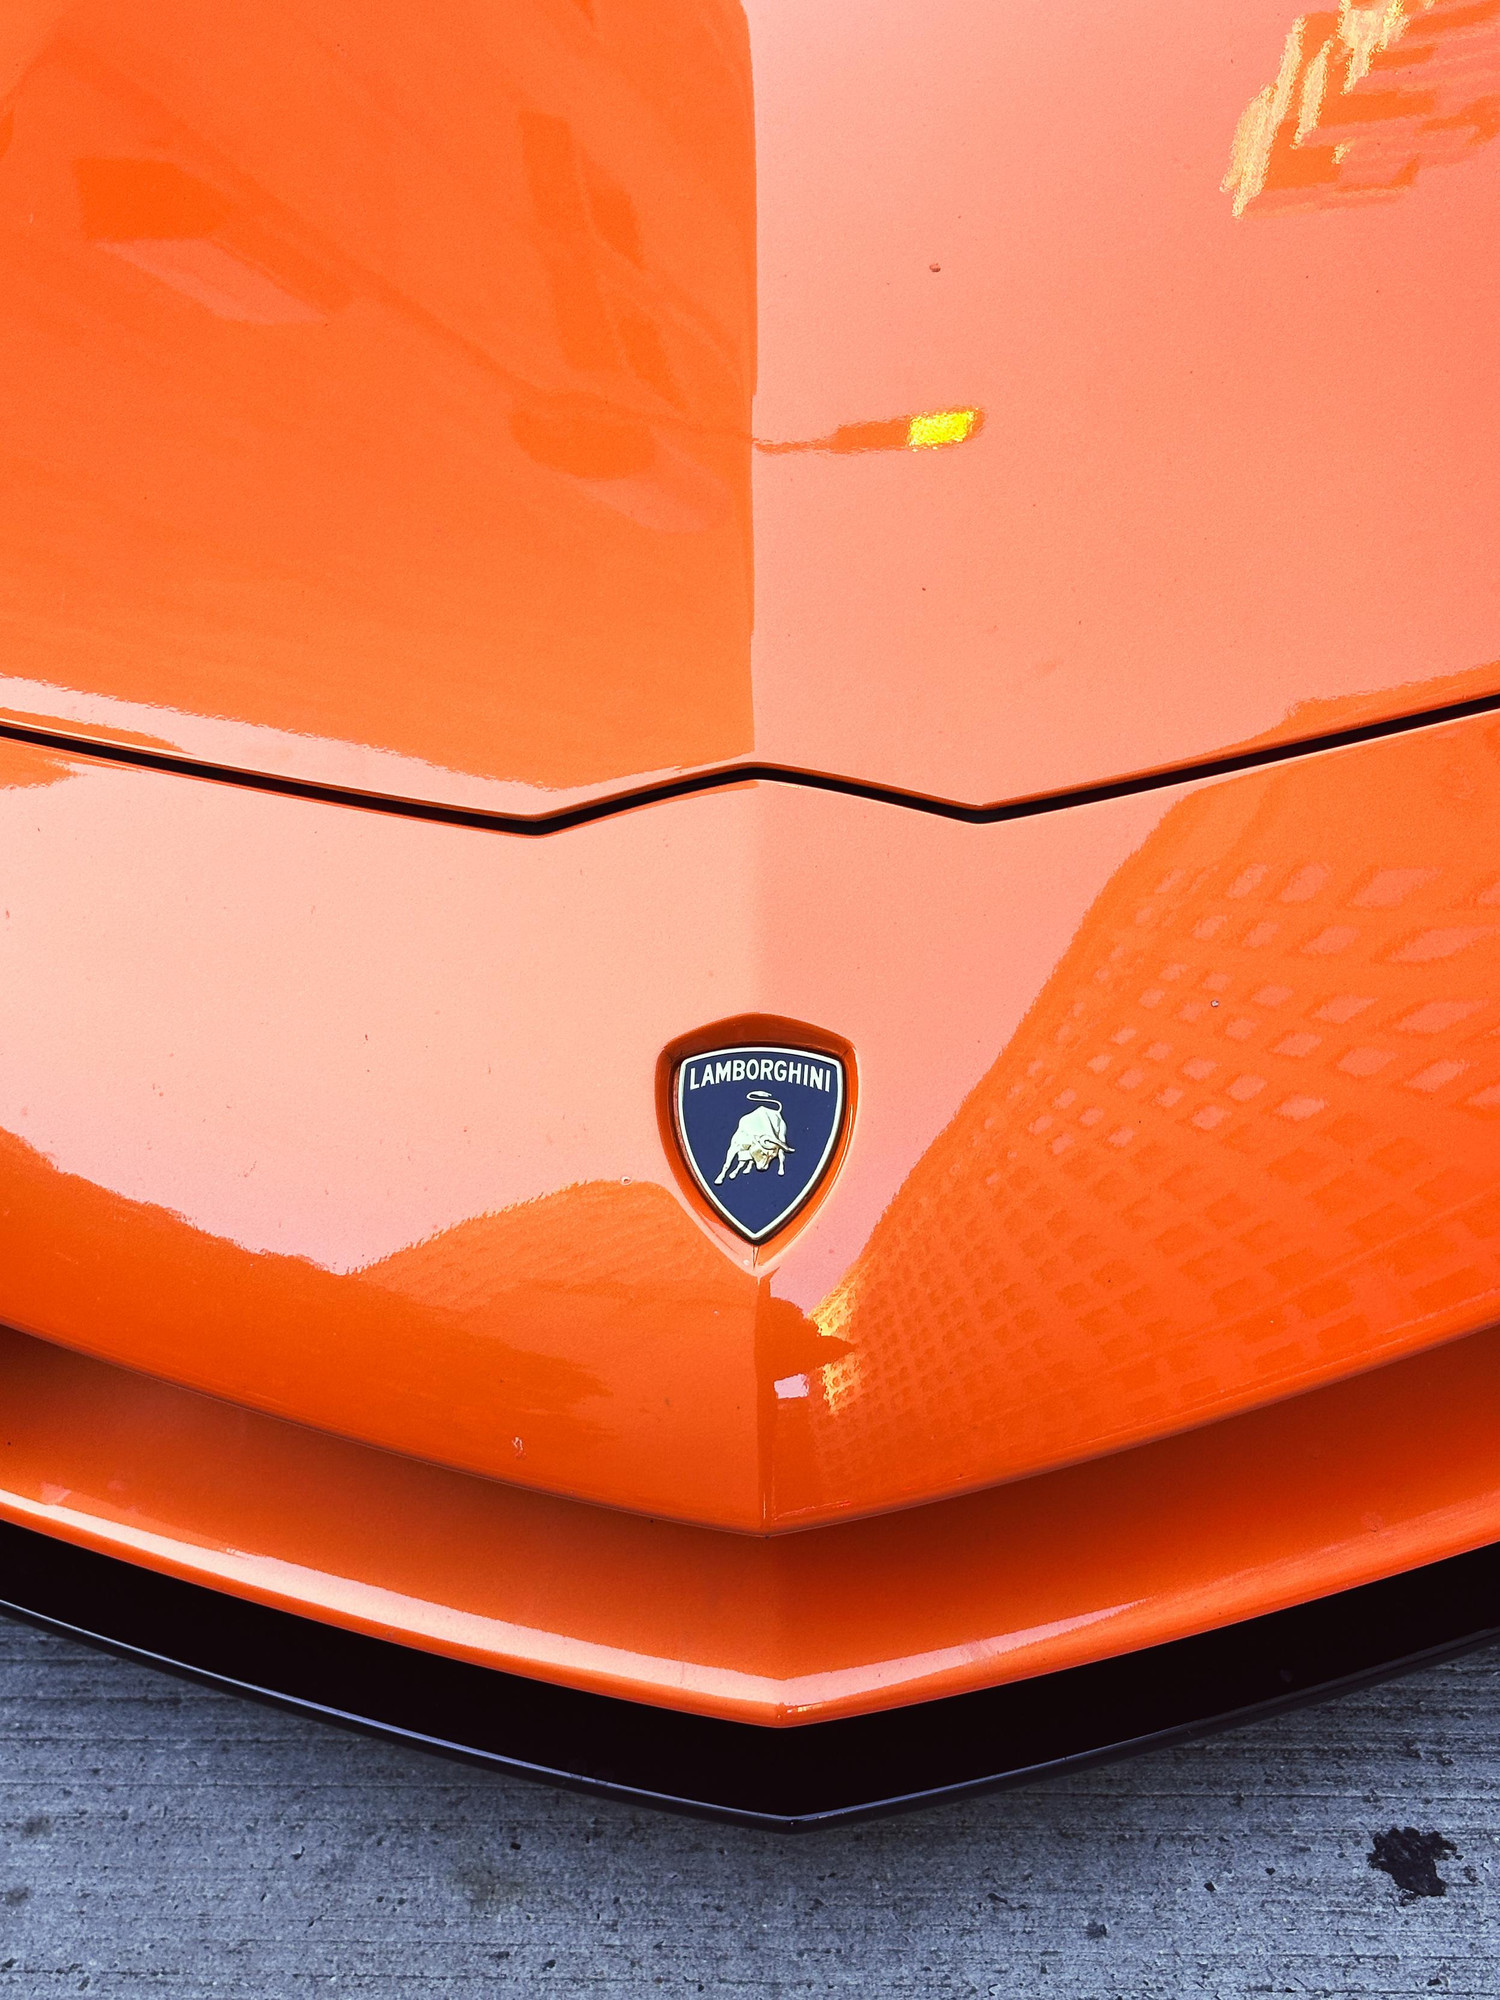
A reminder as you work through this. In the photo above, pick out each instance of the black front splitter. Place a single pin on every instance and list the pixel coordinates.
(814, 1775)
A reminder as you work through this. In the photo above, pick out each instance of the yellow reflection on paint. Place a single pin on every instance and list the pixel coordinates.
(1367, 100)
(926, 431)
(940, 427)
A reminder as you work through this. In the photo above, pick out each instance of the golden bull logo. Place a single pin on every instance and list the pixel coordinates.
(757, 1154)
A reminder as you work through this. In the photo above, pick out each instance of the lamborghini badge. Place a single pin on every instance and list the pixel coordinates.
(758, 1126)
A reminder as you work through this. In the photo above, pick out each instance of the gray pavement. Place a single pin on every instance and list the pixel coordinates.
(160, 1839)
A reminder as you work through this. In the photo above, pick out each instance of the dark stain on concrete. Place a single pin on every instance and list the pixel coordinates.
(1410, 1858)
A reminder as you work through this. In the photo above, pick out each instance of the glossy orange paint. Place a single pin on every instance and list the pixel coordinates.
(1168, 1107)
(1351, 1483)
(1365, 101)
(388, 378)
(452, 403)
(507, 407)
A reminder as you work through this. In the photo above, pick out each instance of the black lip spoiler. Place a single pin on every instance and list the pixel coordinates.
(814, 1775)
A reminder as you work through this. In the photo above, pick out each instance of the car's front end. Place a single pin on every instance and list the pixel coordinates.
(750, 844)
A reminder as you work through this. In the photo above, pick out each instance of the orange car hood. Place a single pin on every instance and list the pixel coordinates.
(512, 407)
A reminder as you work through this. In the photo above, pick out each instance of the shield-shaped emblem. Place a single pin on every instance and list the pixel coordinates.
(759, 1125)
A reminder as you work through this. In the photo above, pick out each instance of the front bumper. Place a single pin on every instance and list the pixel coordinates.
(786, 1779)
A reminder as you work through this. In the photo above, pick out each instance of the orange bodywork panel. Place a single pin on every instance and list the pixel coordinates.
(1318, 1494)
(505, 406)
(736, 427)
(1166, 1107)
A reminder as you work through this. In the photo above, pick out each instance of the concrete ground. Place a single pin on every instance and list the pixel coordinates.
(159, 1839)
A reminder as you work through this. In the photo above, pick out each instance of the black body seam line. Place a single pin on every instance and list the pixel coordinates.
(727, 777)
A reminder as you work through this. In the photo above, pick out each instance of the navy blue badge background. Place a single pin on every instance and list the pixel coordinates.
(756, 1200)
